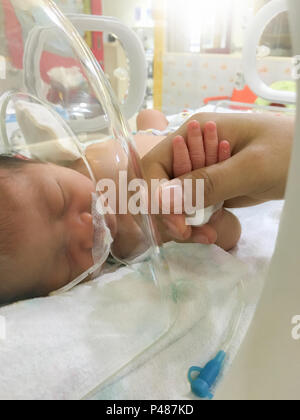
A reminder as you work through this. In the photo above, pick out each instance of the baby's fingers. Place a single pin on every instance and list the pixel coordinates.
(211, 143)
(181, 158)
(195, 145)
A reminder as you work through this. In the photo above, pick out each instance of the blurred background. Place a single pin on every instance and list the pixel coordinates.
(193, 49)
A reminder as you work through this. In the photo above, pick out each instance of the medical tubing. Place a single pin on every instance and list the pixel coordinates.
(207, 377)
(236, 318)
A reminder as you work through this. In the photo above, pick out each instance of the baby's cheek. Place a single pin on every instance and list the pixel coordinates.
(57, 277)
(85, 262)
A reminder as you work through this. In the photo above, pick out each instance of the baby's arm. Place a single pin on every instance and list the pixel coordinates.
(198, 152)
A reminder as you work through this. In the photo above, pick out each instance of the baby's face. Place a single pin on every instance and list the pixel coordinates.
(55, 229)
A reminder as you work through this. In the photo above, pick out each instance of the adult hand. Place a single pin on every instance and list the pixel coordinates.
(261, 148)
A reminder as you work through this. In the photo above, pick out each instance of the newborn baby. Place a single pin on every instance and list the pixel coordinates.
(46, 226)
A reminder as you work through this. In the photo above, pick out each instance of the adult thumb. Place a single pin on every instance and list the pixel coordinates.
(224, 181)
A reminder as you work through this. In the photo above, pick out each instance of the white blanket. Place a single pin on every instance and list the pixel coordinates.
(164, 376)
(52, 350)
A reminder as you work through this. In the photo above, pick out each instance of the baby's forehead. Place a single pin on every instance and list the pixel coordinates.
(21, 169)
(9, 186)
(24, 194)
(16, 199)
(33, 176)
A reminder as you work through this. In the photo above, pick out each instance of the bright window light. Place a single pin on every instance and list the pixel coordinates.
(203, 18)
(201, 22)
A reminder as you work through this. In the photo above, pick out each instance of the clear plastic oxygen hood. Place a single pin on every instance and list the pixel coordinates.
(67, 115)
(58, 110)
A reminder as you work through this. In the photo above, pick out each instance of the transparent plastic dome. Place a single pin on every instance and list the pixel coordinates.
(58, 108)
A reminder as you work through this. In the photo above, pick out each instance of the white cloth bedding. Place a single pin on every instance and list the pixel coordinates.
(51, 353)
(164, 375)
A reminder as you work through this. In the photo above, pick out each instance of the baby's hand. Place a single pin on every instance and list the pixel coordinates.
(199, 151)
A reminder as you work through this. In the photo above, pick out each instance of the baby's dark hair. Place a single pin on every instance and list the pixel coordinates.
(14, 162)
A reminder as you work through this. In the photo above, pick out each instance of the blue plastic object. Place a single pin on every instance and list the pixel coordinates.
(201, 385)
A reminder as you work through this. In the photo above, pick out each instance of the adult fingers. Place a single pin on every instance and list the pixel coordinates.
(235, 177)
